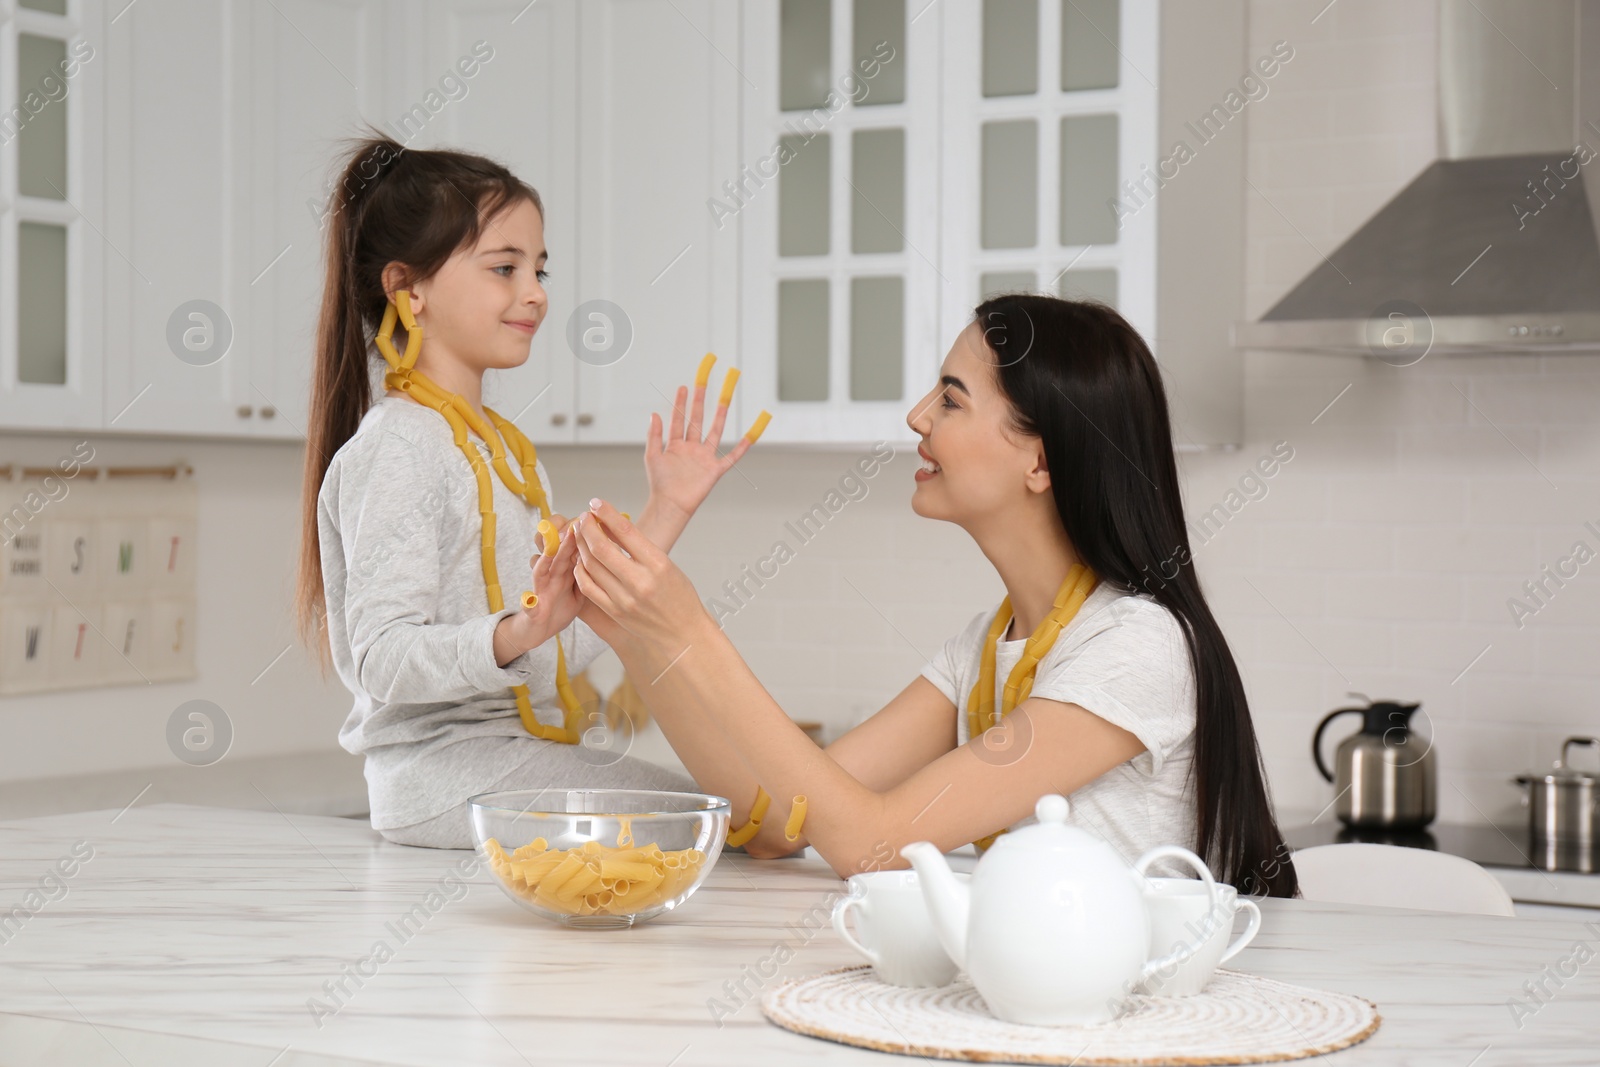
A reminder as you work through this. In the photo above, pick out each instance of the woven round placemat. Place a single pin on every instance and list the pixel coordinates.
(1239, 1018)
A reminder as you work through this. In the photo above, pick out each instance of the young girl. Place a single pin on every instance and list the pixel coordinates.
(1102, 676)
(419, 502)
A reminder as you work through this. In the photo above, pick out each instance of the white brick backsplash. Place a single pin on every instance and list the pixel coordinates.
(1328, 547)
(1569, 650)
(1344, 648)
(1568, 454)
(1287, 115)
(1448, 649)
(1322, 163)
(1350, 121)
(1476, 451)
(1395, 597)
(1413, 501)
(1466, 548)
(1533, 501)
(1565, 400)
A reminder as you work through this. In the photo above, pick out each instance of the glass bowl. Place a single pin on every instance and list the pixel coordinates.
(599, 858)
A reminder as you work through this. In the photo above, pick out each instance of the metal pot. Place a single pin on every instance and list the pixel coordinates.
(1564, 802)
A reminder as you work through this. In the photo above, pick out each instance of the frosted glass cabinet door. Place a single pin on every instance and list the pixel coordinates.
(1010, 184)
(1010, 47)
(878, 188)
(42, 142)
(804, 214)
(1088, 179)
(51, 204)
(1089, 32)
(839, 275)
(803, 53)
(42, 304)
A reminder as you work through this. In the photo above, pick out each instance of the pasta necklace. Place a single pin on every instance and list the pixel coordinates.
(1075, 589)
(404, 376)
(459, 414)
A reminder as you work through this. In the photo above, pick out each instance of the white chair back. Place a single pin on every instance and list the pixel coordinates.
(1391, 876)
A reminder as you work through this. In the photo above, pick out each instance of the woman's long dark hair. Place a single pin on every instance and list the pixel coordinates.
(392, 204)
(1082, 380)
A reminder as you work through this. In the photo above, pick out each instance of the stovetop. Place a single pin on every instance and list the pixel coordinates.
(1488, 846)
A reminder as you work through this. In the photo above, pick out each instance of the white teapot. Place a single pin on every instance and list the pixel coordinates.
(1053, 928)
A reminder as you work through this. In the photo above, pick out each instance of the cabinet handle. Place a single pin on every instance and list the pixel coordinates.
(268, 411)
(245, 411)
(558, 419)
(585, 419)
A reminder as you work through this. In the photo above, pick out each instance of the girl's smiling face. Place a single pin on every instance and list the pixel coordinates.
(976, 466)
(486, 303)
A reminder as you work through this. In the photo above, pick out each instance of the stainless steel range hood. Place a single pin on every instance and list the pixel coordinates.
(1494, 246)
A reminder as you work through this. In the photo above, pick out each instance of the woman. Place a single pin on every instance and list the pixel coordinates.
(1047, 440)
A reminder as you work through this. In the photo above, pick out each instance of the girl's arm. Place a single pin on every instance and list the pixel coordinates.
(700, 684)
(391, 530)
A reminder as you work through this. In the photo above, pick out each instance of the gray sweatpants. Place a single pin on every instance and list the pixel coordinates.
(550, 763)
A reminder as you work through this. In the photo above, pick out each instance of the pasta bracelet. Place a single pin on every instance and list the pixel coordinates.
(758, 811)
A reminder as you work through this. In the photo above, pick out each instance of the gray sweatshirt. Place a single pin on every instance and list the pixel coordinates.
(408, 613)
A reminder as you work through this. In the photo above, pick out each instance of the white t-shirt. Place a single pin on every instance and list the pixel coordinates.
(1123, 657)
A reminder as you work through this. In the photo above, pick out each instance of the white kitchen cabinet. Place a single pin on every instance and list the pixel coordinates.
(932, 154)
(519, 107)
(219, 202)
(658, 129)
(1048, 106)
(929, 166)
(52, 215)
(284, 163)
(838, 199)
(175, 359)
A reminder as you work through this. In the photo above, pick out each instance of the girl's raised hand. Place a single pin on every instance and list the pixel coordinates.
(683, 468)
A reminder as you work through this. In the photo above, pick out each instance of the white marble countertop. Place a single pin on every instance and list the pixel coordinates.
(199, 935)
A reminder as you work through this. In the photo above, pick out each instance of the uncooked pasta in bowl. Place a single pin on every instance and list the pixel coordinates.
(599, 858)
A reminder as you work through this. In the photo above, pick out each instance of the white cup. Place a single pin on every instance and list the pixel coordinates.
(896, 932)
(1178, 918)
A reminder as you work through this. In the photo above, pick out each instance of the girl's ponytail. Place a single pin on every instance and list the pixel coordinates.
(391, 204)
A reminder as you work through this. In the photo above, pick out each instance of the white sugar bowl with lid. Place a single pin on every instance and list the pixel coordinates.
(1053, 928)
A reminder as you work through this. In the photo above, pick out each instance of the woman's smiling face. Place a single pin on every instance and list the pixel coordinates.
(486, 303)
(975, 464)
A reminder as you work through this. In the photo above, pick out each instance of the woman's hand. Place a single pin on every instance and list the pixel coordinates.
(643, 595)
(559, 601)
(683, 469)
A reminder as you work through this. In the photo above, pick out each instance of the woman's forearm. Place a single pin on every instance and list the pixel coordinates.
(711, 760)
(703, 691)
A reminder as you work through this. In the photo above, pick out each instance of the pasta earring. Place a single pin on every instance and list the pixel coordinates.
(399, 307)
